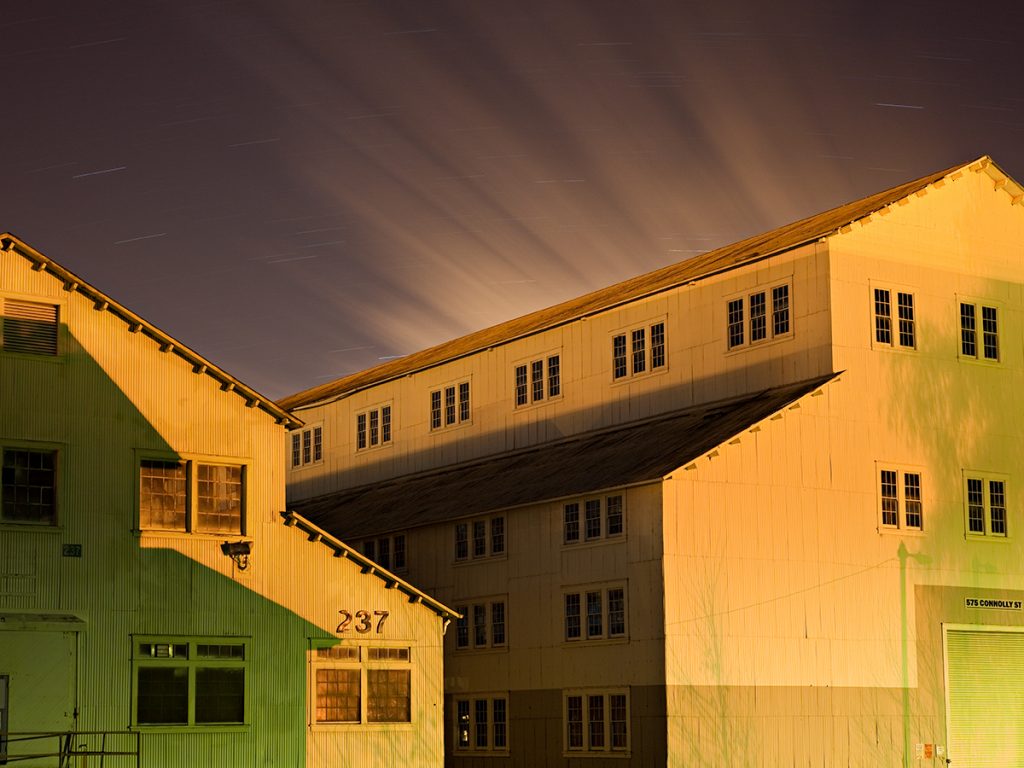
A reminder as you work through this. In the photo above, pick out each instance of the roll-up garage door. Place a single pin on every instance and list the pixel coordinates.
(985, 673)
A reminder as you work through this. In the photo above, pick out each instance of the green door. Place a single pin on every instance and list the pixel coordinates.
(38, 690)
(985, 673)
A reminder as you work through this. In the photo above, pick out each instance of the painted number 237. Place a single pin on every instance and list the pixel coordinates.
(363, 621)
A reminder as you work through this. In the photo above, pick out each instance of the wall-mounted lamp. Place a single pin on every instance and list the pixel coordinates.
(238, 551)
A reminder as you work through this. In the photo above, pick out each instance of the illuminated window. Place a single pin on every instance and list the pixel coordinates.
(632, 355)
(361, 684)
(450, 406)
(901, 503)
(487, 540)
(595, 613)
(602, 519)
(481, 723)
(483, 624)
(373, 427)
(28, 486)
(189, 681)
(538, 380)
(596, 720)
(979, 331)
(758, 317)
(897, 330)
(985, 504)
(29, 327)
(191, 496)
(307, 446)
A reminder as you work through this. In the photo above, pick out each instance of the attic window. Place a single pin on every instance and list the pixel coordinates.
(29, 327)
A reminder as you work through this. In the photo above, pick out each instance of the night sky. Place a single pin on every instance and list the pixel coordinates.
(299, 190)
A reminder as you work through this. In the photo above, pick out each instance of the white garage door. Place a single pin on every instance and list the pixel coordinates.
(985, 673)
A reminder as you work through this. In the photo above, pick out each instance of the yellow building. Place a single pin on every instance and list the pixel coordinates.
(758, 508)
(157, 605)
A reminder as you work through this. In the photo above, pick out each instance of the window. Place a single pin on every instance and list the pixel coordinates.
(28, 486)
(537, 380)
(29, 327)
(985, 501)
(900, 333)
(602, 519)
(450, 406)
(605, 616)
(596, 721)
(373, 428)
(189, 681)
(307, 446)
(5, 684)
(642, 357)
(486, 619)
(192, 496)
(362, 684)
(983, 346)
(386, 551)
(483, 545)
(481, 724)
(900, 499)
(747, 318)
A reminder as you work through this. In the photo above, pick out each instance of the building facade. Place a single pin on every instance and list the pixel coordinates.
(757, 508)
(157, 605)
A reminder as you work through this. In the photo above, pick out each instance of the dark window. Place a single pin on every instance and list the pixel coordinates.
(462, 628)
(481, 722)
(572, 616)
(461, 541)
(497, 535)
(361, 431)
(990, 333)
(592, 510)
(29, 486)
(464, 401)
(758, 317)
(735, 323)
(780, 310)
(400, 552)
(658, 345)
(554, 376)
(497, 623)
(639, 350)
(307, 447)
(479, 538)
(595, 619)
(883, 316)
(521, 391)
(614, 511)
(968, 331)
(571, 522)
(537, 379)
(905, 305)
(296, 454)
(619, 356)
(449, 406)
(435, 410)
(890, 501)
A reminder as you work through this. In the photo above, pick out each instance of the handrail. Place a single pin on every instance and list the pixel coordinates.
(72, 746)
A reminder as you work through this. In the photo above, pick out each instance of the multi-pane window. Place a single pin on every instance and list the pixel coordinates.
(481, 724)
(484, 537)
(362, 684)
(986, 505)
(483, 625)
(596, 613)
(538, 380)
(748, 320)
(602, 519)
(307, 446)
(983, 346)
(898, 331)
(28, 486)
(450, 405)
(29, 327)
(596, 721)
(373, 427)
(900, 499)
(387, 551)
(632, 355)
(193, 496)
(189, 681)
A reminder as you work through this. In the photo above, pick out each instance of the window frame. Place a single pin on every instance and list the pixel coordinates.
(310, 437)
(450, 405)
(584, 525)
(987, 480)
(635, 353)
(396, 543)
(365, 664)
(979, 332)
(472, 702)
(537, 374)
(56, 451)
(490, 538)
(894, 321)
(903, 494)
(374, 427)
(468, 629)
(772, 322)
(192, 663)
(581, 595)
(587, 746)
(192, 462)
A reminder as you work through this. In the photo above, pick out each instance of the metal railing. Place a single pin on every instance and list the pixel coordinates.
(73, 748)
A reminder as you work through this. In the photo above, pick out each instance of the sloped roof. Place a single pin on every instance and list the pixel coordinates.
(317, 534)
(721, 259)
(200, 365)
(640, 452)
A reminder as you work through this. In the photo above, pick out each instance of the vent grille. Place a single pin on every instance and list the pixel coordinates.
(30, 327)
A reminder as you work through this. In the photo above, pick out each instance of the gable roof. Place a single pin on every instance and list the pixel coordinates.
(752, 249)
(318, 535)
(136, 324)
(640, 452)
